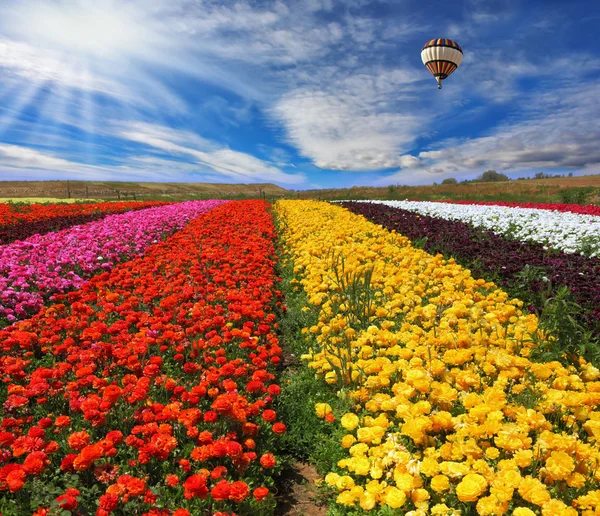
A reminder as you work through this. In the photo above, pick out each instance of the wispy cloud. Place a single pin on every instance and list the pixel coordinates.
(238, 166)
(558, 130)
(357, 122)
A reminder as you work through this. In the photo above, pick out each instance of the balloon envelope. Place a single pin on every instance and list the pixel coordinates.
(441, 57)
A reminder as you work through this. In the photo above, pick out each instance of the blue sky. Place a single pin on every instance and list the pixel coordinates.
(304, 93)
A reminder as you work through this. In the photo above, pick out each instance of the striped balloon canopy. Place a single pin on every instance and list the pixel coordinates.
(441, 57)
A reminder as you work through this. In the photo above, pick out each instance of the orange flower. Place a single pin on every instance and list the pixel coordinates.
(87, 456)
(239, 491)
(111, 393)
(268, 460)
(221, 490)
(260, 493)
(35, 462)
(195, 486)
(79, 440)
(15, 479)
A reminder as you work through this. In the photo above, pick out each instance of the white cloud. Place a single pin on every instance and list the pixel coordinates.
(558, 130)
(238, 166)
(356, 122)
(23, 157)
(40, 65)
(220, 166)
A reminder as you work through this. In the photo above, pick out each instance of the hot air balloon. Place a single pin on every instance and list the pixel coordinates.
(441, 57)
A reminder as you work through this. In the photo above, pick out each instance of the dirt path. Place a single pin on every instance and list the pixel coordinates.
(298, 495)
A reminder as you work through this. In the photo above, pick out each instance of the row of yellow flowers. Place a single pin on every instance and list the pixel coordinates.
(450, 415)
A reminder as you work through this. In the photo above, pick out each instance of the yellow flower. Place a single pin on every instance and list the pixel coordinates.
(557, 508)
(492, 453)
(322, 409)
(429, 466)
(576, 480)
(348, 440)
(559, 465)
(375, 487)
(346, 498)
(367, 501)
(440, 483)
(395, 498)
(523, 458)
(436, 340)
(419, 495)
(471, 487)
(332, 478)
(370, 435)
(349, 421)
(523, 511)
(404, 481)
(344, 482)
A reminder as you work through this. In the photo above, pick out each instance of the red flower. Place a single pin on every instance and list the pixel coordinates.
(61, 421)
(239, 491)
(67, 462)
(195, 486)
(111, 393)
(274, 389)
(268, 460)
(172, 480)
(109, 502)
(87, 457)
(35, 462)
(279, 428)
(210, 417)
(260, 493)
(79, 440)
(67, 502)
(269, 415)
(15, 479)
(218, 472)
(221, 490)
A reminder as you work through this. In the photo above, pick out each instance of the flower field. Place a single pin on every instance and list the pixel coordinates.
(587, 209)
(149, 389)
(525, 268)
(18, 222)
(564, 231)
(450, 415)
(175, 360)
(41, 266)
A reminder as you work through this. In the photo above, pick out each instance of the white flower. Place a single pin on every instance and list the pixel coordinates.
(564, 231)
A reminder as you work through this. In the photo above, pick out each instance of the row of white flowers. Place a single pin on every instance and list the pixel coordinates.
(568, 232)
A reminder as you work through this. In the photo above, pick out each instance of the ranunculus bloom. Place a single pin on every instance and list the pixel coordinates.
(260, 493)
(269, 415)
(471, 487)
(279, 428)
(239, 491)
(195, 486)
(268, 460)
(67, 502)
(221, 490)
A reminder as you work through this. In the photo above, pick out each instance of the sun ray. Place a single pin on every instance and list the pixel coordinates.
(88, 117)
(19, 102)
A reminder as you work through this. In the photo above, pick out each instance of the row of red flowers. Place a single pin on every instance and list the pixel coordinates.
(148, 391)
(18, 222)
(582, 209)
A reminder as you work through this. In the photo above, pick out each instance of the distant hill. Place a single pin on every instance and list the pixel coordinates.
(579, 190)
(131, 190)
